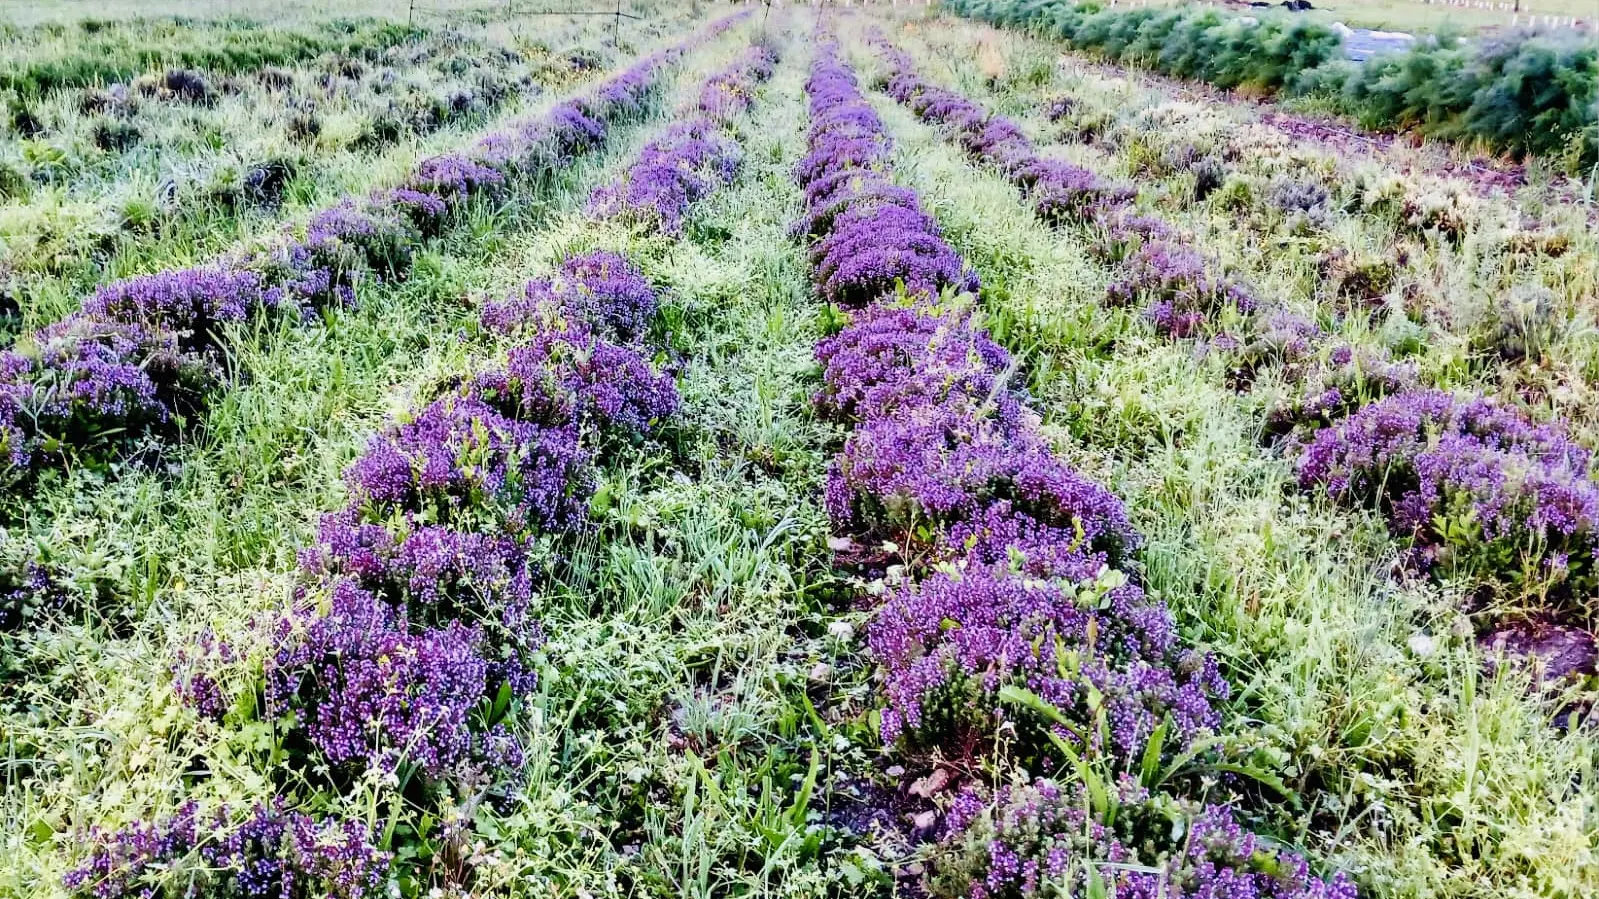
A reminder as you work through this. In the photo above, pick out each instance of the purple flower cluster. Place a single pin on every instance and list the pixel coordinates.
(457, 177)
(572, 375)
(1468, 480)
(730, 93)
(145, 352)
(1037, 840)
(1178, 294)
(194, 675)
(893, 357)
(28, 590)
(193, 303)
(1122, 234)
(460, 459)
(85, 379)
(680, 167)
(1175, 286)
(691, 159)
(1112, 668)
(600, 288)
(427, 573)
(1326, 381)
(272, 854)
(370, 689)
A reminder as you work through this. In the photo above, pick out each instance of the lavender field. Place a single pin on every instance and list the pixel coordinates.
(990, 450)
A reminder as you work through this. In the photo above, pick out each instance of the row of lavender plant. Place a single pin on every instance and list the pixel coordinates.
(1472, 485)
(1017, 631)
(693, 157)
(144, 354)
(411, 644)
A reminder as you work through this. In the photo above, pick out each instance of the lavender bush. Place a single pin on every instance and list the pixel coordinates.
(1471, 482)
(427, 573)
(1104, 659)
(272, 854)
(681, 167)
(1039, 840)
(1177, 289)
(692, 158)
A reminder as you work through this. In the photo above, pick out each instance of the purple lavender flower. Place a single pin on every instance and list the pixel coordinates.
(1463, 474)
(193, 302)
(731, 91)
(29, 590)
(460, 458)
(939, 466)
(1180, 296)
(565, 377)
(194, 675)
(828, 197)
(1325, 387)
(540, 305)
(434, 576)
(354, 237)
(1037, 840)
(681, 167)
(84, 382)
(272, 854)
(423, 211)
(871, 250)
(608, 292)
(600, 290)
(890, 357)
(1122, 233)
(369, 691)
(1063, 192)
(453, 178)
(949, 645)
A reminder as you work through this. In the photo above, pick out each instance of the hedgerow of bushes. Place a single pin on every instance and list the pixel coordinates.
(1518, 92)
